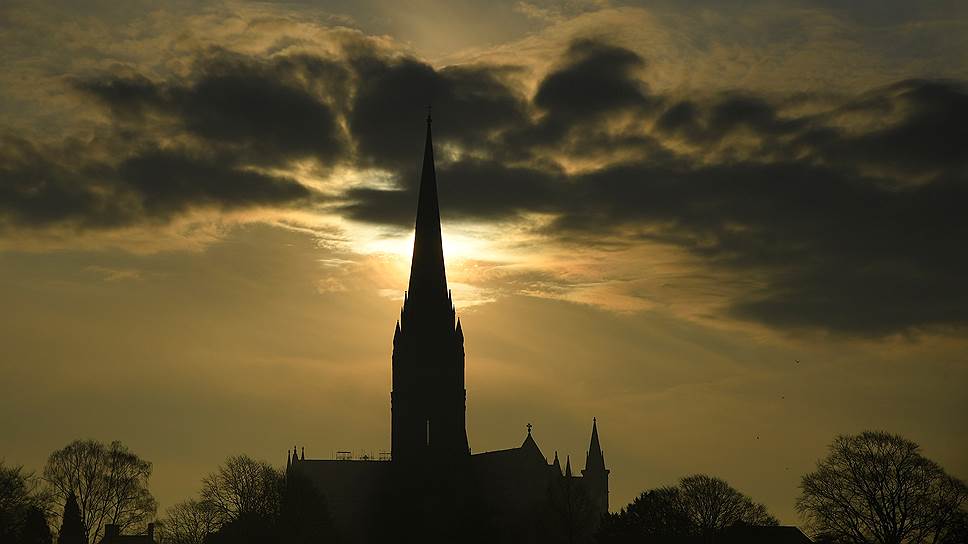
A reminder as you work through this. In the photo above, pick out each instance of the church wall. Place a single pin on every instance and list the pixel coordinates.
(352, 490)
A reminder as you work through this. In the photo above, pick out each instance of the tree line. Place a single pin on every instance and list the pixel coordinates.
(88, 485)
(870, 488)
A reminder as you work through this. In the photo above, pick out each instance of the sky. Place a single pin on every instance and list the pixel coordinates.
(730, 231)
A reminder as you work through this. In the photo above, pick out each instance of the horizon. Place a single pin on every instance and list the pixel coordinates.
(728, 232)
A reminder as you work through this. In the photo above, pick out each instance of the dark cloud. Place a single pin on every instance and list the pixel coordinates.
(472, 105)
(832, 251)
(169, 182)
(928, 139)
(595, 78)
(849, 217)
(41, 187)
(476, 190)
(834, 245)
(723, 116)
(36, 190)
(594, 83)
(269, 111)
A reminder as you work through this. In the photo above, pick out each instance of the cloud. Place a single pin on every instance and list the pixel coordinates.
(844, 208)
(43, 186)
(926, 140)
(596, 78)
(847, 225)
(393, 95)
(270, 110)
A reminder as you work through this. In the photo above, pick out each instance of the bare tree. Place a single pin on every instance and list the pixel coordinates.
(110, 484)
(712, 504)
(189, 522)
(877, 487)
(243, 487)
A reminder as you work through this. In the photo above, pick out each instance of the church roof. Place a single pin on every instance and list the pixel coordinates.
(427, 275)
(530, 445)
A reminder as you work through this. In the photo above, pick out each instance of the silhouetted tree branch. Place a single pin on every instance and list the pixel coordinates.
(110, 484)
(876, 487)
(243, 487)
(699, 505)
(712, 504)
(189, 522)
(654, 513)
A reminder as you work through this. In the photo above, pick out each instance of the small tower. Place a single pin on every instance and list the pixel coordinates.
(595, 475)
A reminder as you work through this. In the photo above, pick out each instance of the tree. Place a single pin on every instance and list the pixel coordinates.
(654, 513)
(246, 501)
(72, 529)
(713, 505)
(243, 488)
(189, 522)
(36, 527)
(22, 499)
(109, 483)
(876, 487)
(699, 506)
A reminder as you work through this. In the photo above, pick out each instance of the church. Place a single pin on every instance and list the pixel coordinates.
(433, 487)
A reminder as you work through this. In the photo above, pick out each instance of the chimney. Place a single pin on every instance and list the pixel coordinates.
(151, 532)
(110, 531)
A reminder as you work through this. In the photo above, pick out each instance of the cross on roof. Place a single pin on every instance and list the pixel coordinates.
(529, 428)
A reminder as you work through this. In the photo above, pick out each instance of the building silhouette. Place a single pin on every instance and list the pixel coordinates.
(433, 487)
(112, 535)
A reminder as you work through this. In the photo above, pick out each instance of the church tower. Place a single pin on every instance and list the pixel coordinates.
(428, 398)
(595, 475)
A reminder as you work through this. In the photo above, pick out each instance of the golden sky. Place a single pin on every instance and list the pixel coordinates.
(651, 212)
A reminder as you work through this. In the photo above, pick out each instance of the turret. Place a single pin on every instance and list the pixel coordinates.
(594, 458)
(595, 474)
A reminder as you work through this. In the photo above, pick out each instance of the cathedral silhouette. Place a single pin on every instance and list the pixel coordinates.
(433, 488)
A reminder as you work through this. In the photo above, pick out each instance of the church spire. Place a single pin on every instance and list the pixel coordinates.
(427, 275)
(428, 398)
(595, 459)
